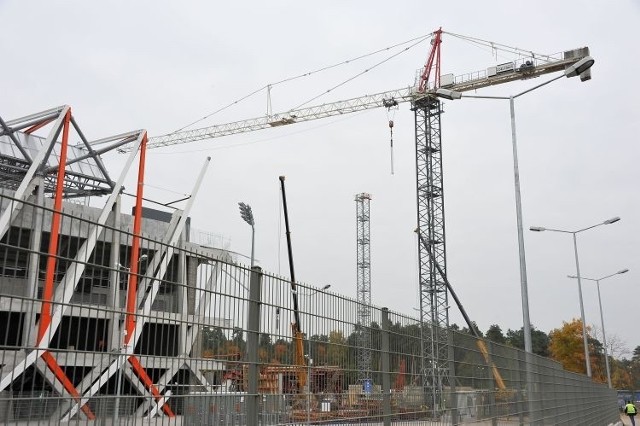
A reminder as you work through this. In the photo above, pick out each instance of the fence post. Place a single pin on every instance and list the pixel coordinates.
(493, 409)
(386, 373)
(453, 398)
(253, 331)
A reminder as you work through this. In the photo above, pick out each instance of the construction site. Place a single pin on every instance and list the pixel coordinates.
(110, 316)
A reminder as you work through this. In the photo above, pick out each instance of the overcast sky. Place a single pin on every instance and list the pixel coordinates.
(125, 65)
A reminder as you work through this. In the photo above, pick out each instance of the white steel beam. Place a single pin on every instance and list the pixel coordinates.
(144, 313)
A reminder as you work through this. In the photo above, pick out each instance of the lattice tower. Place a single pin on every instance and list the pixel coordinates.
(434, 316)
(364, 355)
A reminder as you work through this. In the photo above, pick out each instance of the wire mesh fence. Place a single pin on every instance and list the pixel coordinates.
(187, 336)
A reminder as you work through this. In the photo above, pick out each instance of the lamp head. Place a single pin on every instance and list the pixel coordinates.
(612, 220)
(326, 287)
(246, 213)
(448, 94)
(579, 67)
(537, 229)
(624, 271)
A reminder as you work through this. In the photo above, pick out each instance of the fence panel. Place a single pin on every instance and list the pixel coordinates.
(193, 337)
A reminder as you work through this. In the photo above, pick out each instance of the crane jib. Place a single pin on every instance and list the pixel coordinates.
(464, 83)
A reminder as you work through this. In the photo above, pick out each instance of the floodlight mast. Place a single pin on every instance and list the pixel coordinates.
(429, 177)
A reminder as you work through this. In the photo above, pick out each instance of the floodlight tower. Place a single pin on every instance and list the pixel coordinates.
(363, 360)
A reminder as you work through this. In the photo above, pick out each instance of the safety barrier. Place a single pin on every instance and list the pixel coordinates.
(204, 340)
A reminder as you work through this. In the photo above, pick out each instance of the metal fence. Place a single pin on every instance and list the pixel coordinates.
(189, 337)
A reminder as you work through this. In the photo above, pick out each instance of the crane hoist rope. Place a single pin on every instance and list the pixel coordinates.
(392, 107)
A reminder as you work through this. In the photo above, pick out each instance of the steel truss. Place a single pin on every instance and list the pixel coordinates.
(364, 354)
(41, 172)
(85, 174)
(434, 316)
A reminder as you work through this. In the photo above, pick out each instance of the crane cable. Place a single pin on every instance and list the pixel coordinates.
(392, 107)
(502, 47)
(306, 74)
(361, 73)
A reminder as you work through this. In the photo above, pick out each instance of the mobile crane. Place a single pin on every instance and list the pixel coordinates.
(298, 344)
(424, 99)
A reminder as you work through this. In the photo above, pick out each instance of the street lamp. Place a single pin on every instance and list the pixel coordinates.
(575, 249)
(604, 336)
(579, 68)
(247, 216)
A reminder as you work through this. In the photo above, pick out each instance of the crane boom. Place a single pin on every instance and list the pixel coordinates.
(512, 71)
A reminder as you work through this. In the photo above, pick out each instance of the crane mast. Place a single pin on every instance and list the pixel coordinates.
(427, 108)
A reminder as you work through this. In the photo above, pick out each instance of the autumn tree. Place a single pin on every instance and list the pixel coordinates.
(566, 346)
(621, 377)
(281, 352)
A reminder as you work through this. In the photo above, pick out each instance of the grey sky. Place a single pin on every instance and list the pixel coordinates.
(161, 65)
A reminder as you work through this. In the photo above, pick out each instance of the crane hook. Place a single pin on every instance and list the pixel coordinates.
(391, 142)
(392, 107)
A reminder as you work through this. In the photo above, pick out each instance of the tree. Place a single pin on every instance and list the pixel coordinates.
(495, 334)
(567, 347)
(539, 340)
(621, 377)
(616, 347)
(337, 349)
(468, 331)
(265, 347)
(213, 340)
(636, 354)
(281, 352)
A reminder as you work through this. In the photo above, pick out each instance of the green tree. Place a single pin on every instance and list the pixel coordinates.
(495, 334)
(237, 338)
(337, 349)
(468, 331)
(539, 340)
(213, 340)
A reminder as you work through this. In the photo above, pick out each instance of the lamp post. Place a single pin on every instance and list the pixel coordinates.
(575, 249)
(308, 357)
(604, 336)
(579, 68)
(247, 216)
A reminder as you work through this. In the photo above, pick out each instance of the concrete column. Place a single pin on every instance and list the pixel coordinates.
(191, 283)
(115, 275)
(29, 323)
(253, 333)
(181, 296)
(386, 373)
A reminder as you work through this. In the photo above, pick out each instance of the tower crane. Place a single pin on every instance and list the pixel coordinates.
(425, 103)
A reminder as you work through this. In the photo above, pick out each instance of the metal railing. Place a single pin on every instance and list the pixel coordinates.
(214, 345)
